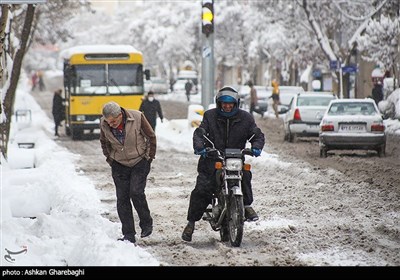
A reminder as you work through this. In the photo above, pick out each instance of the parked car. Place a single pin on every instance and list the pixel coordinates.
(243, 90)
(263, 95)
(305, 113)
(179, 87)
(352, 124)
(147, 85)
(158, 85)
(286, 93)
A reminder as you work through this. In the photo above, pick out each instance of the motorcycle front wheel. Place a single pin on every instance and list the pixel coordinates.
(235, 219)
(224, 232)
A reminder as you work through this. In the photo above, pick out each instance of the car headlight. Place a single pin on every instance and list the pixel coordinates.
(234, 164)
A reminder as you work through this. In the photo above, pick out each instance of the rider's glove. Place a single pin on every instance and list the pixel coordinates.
(201, 152)
(256, 152)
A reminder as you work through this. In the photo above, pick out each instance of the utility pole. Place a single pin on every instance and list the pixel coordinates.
(207, 71)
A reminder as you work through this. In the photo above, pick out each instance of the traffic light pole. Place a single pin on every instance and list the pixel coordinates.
(207, 70)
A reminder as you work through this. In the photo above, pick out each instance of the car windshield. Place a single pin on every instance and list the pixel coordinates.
(314, 100)
(357, 108)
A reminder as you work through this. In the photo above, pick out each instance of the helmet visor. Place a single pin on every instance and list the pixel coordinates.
(227, 99)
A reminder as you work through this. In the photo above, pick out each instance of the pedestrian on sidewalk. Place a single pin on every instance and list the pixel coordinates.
(129, 144)
(58, 110)
(151, 108)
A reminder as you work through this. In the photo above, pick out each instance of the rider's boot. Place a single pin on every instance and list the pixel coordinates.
(250, 214)
(188, 231)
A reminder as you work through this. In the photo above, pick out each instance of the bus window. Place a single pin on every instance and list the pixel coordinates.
(125, 78)
(91, 79)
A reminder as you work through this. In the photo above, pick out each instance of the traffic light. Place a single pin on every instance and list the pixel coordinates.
(207, 17)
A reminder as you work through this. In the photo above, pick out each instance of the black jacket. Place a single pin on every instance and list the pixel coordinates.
(232, 132)
(150, 110)
(58, 109)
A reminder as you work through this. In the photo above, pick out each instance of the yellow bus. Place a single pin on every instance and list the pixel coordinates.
(95, 75)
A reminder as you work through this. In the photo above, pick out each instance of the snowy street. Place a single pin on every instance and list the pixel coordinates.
(342, 210)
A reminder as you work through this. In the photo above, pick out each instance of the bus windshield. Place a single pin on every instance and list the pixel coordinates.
(108, 79)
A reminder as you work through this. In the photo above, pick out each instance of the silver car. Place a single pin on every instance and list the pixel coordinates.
(263, 94)
(159, 85)
(286, 93)
(352, 124)
(305, 113)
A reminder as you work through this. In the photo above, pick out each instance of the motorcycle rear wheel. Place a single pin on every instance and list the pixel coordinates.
(235, 220)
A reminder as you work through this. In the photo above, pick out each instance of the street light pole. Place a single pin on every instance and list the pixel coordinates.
(207, 82)
(341, 78)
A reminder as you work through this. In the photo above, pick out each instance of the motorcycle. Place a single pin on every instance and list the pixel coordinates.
(226, 213)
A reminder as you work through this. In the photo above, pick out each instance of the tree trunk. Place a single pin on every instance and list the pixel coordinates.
(9, 99)
(3, 25)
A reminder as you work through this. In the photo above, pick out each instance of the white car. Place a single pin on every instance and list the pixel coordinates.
(262, 98)
(352, 124)
(179, 87)
(305, 113)
(286, 93)
(158, 85)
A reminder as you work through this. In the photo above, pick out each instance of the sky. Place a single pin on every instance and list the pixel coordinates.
(51, 214)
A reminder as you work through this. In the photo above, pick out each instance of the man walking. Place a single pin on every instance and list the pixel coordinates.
(150, 108)
(58, 110)
(129, 145)
(254, 100)
(275, 97)
(188, 89)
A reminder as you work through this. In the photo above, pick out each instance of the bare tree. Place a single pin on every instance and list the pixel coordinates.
(8, 101)
(25, 20)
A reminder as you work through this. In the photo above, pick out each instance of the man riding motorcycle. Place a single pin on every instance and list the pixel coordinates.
(226, 126)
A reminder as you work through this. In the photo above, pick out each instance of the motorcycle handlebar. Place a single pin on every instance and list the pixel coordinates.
(215, 153)
(248, 152)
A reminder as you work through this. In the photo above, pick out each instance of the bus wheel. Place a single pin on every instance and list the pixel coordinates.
(67, 131)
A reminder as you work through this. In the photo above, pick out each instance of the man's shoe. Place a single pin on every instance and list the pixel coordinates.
(146, 231)
(188, 232)
(250, 214)
(128, 237)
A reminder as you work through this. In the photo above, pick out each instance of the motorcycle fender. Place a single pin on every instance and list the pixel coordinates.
(236, 190)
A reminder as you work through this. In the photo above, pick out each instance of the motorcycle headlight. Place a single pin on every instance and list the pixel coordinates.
(234, 164)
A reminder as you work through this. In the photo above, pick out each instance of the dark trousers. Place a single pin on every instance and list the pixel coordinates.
(202, 194)
(57, 122)
(130, 183)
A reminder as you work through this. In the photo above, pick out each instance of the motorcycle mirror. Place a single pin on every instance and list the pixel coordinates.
(201, 132)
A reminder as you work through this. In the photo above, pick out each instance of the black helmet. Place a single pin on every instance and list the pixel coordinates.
(227, 94)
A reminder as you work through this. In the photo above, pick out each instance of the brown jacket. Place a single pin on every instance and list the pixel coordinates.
(140, 140)
(253, 96)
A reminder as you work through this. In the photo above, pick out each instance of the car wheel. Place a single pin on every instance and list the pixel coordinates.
(285, 135)
(323, 153)
(381, 151)
(290, 136)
